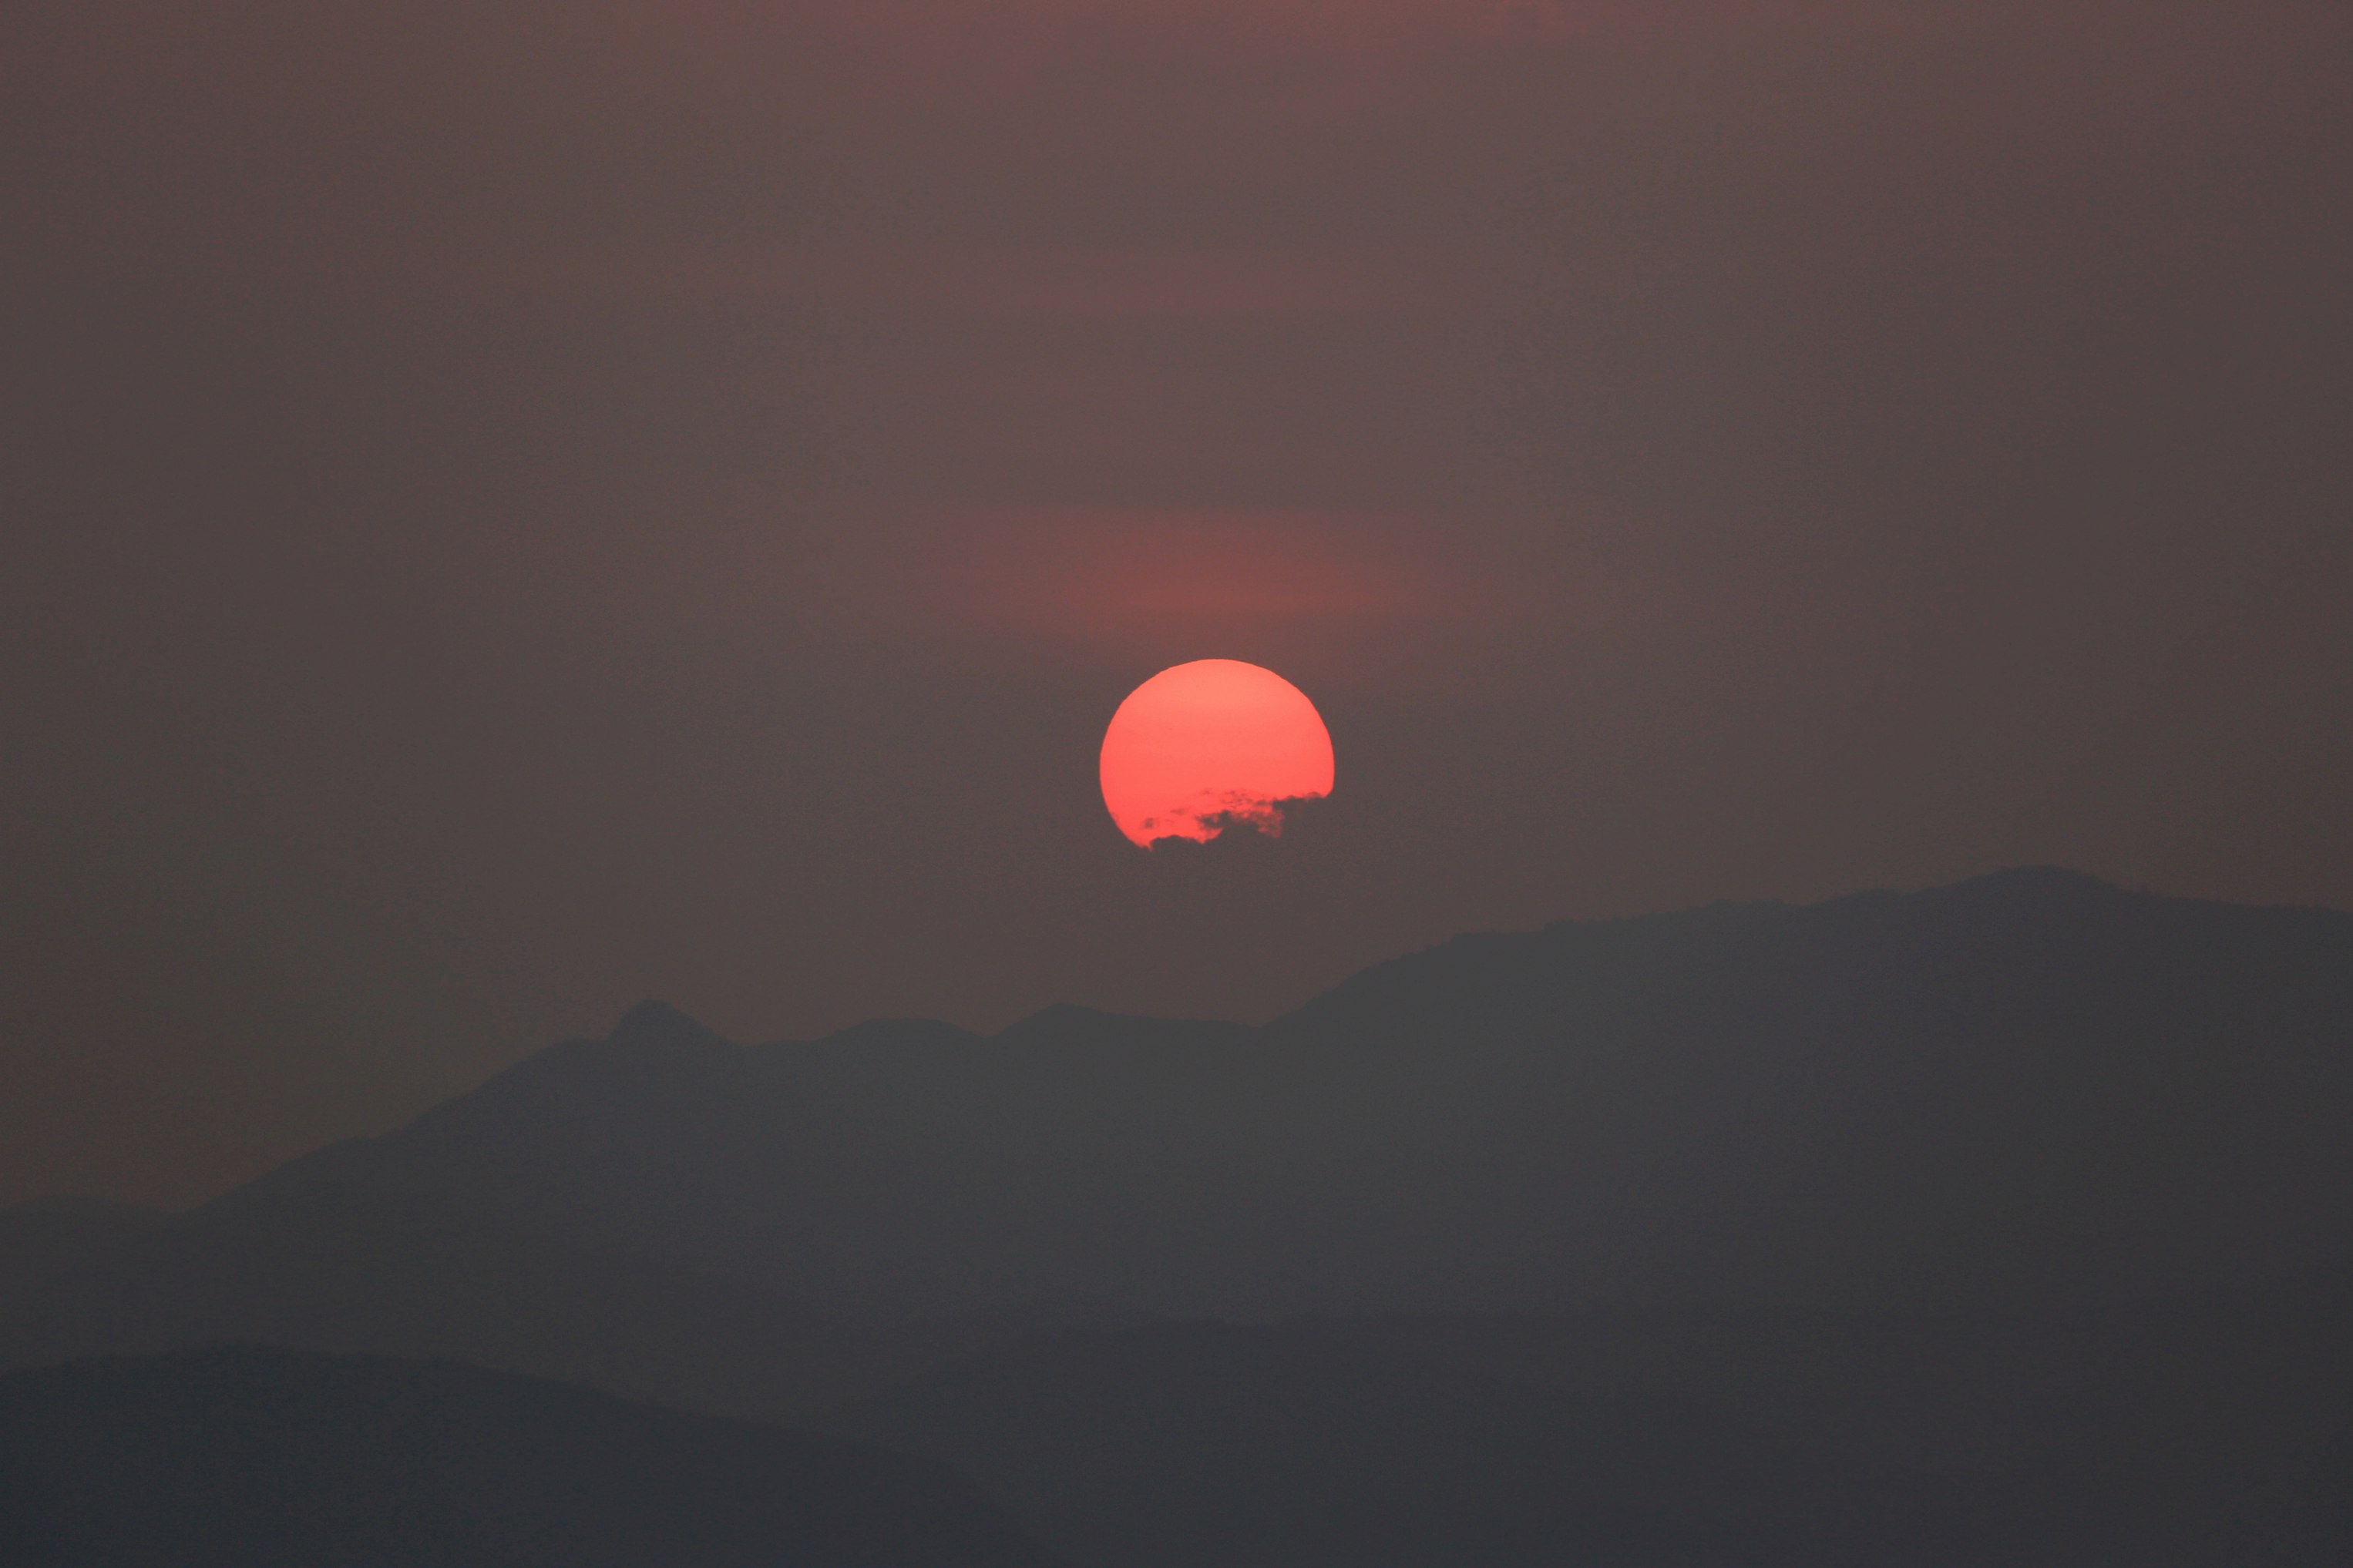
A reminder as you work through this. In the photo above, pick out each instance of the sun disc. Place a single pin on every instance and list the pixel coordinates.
(1209, 745)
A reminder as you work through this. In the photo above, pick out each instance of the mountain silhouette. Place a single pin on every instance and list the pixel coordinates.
(246, 1457)
(43, 1241)
(2010, 1222)
(2028, 1088)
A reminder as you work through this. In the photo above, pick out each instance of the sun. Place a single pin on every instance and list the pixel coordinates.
(1209, 745)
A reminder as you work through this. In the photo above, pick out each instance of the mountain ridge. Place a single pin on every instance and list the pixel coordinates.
(1969, 1089)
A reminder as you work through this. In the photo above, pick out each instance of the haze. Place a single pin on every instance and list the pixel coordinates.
(508, 509)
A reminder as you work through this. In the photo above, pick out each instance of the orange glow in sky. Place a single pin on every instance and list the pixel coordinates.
(1209, 744)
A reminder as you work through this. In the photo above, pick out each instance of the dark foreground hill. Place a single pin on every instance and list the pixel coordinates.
(2028, 1088)
(1733, 1443)
(253, 1458)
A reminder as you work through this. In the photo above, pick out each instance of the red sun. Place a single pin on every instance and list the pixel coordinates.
(1208, 745)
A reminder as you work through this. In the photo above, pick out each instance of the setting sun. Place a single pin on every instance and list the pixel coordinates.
(1209, 746)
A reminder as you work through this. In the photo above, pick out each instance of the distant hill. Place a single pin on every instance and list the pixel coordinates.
(391, 1273)
(2028, 1088)
(254, 1458)
(356, 1269)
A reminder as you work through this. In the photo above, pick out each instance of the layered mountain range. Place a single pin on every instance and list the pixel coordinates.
(2015, 1216)
(2022, 1086)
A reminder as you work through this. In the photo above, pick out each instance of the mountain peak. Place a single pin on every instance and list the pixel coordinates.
(2042, 877)
(1059, 1013)
(2031, 885)
(1068, 1021)
(656, 1023)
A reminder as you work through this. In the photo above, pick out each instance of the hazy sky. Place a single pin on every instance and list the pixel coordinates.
(507, 509)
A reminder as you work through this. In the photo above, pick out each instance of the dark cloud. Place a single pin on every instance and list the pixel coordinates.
(1246, 819)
